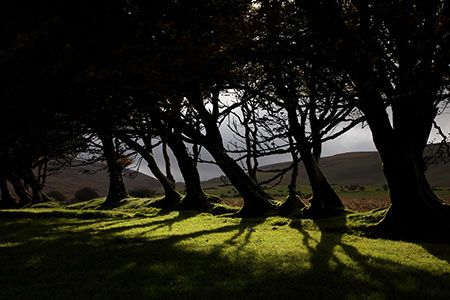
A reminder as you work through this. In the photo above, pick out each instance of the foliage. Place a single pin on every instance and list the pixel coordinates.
(74, 71)
(85, 194)
(385, 48)
(353, 187)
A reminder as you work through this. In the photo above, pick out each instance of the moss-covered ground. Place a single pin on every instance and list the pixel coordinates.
(133, 251)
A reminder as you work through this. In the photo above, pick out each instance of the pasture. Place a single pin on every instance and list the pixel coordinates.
(134, 251)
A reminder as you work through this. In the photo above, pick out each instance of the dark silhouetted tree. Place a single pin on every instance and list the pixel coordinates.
(397, 54)
(283, 56)
(117, 190)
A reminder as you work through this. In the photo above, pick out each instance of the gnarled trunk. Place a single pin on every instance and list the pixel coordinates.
(416, 213)
(169, 174)
(7, 200)
(293, 204)
(38, 195)
(324, 197)
(117, 190)
(172, 197)
(195, 197)
(256, 201)
(20, 190)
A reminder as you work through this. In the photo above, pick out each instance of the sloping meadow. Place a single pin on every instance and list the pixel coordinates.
(159, 254)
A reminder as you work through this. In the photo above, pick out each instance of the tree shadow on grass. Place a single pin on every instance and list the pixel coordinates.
(376, 274)
(17, 229)
(245, 227)
(241, 238)
(77, 264)
(161, 219)
(441, 251)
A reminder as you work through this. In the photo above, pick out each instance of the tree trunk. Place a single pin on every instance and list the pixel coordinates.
(250, 140)
(292, 187)
(256, 202)
(38, 195)
(195, 197)
(36, 190)
(7, 200)
(169, 174)
(117, 190)
(293, 204)
(416, 213)
(172, 197)
(325, 199)
(20, 190)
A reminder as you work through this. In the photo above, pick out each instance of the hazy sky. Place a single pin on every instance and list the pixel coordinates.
(357, 139)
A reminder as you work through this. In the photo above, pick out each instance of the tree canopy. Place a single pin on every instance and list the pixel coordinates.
(301, 72)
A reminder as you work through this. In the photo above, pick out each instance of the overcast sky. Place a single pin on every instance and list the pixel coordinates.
(357, 139)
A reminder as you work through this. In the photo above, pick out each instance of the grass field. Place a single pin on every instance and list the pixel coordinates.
(132, 251)
(361, 199)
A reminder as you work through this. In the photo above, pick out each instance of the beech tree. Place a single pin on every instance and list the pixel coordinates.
(117, 190)
(397, 54)
(62, 63)
(7, 200)
(160, 125)
(172, 196)
(48, 52)
(195, 197)
(195, 63)
(283, 53)
(256, 201)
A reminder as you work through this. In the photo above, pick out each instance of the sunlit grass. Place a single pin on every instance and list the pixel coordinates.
(159, 254)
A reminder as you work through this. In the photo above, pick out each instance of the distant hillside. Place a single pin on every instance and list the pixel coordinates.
(74, 178)
(363, 168)
(341, 169)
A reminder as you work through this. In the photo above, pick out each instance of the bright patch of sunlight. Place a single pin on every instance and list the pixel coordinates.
(172, 254)
(10, 244)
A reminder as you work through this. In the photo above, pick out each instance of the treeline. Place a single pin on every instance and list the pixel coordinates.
(101, 79)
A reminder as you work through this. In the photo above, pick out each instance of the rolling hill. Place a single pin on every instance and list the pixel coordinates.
(342, 169)
(362, 168)
(94, 176)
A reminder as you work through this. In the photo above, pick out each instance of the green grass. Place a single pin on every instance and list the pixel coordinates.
(443, 193)
(372, 197)
(132, 251)
(282, 191)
